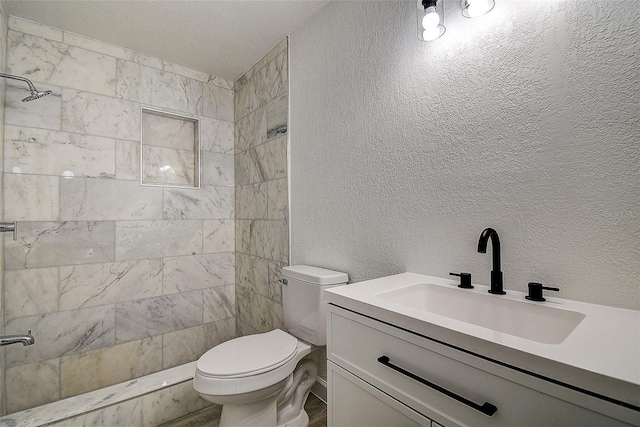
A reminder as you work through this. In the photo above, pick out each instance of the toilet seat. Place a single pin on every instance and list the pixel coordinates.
(248, 363)
(249, 355)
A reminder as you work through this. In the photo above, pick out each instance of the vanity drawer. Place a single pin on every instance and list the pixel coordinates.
(348, 392)
(358, 344)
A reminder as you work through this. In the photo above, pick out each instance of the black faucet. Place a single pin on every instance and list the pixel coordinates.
(496, 273)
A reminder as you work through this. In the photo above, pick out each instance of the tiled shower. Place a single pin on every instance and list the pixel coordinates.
(115, 279)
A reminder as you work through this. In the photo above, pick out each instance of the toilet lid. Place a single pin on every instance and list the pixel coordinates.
(248, 355)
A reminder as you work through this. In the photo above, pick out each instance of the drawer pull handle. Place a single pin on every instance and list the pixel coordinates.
(486, 408)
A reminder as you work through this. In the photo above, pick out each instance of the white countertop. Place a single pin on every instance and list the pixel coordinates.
(601, 355)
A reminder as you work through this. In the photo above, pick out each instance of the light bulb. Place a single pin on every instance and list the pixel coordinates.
(431, 18)
(431, 34)
(477, 8)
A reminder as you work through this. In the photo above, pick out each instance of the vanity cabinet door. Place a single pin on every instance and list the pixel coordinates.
(354, 403)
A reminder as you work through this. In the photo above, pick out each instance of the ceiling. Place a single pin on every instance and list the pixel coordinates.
(223, 38)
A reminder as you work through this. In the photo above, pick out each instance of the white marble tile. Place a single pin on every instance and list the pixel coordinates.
(47, 61)
(127, 160)
(251, 130)
(220, 331)
(217, 169)
(277, 199)
(127, 414)
(83, 372)
(34, 28)
(275, 285)
(43, 113)
(278, 241)
(216, 135)
(111, 50)
(183, 346)
(243, 305)
(246, 167)
(277, 111)
(259, 244)
(99, 115)
(217, 102)
(32, 385)
(277, 315)
(244, 95)
(158, 315)
(62, 410)
(29, 292)
(188, 273)
(279, 48)
(248, 97)
(172, 67)
(219, 303)
(272, 80)
(252, 273)
(61, 333)
(168, 166)
(108, 283)
(171, 403)
(261, 317)
(251, 201)
(168, 132)
(219, 81)
(46, 244)
(243, 228)
(218, 235)
(48, 152)
(108, 199)
(271, 159)
(31, 197)
(207, 202)
(156, 239)
(158, 88)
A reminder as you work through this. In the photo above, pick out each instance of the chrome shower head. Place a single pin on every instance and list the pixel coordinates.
(36, 95)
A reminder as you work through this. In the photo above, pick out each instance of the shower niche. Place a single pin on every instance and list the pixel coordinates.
(169, 149)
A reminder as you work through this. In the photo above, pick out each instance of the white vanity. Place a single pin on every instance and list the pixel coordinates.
(414, 350)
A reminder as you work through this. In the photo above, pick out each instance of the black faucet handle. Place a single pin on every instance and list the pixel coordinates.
(535, 291)
(465, 280)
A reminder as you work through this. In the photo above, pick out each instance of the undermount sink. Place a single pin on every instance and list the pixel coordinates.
(542, 323)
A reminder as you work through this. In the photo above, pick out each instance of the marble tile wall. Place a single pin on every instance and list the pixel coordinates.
(3, 56)
(115, 279)
(261, 229)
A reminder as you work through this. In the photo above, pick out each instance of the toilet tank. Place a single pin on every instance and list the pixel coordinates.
(303, 300)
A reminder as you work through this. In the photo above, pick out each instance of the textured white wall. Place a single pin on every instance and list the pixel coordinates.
(525, 120)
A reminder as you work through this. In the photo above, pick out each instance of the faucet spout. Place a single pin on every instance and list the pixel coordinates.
(496, 272)
(15, 339)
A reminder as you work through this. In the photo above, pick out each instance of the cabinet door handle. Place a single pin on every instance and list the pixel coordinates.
(486, 408)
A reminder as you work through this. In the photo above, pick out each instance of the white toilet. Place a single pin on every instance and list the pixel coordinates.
(262, 380)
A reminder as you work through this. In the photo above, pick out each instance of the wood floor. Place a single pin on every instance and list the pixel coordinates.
(210, 417)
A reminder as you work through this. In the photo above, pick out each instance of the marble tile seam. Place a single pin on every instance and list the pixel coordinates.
(67, 37)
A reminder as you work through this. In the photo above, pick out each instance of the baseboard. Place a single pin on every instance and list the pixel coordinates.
(320, 389)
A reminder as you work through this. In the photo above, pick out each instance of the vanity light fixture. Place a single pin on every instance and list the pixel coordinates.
(431, 15)
(430, 19)
(475, 8)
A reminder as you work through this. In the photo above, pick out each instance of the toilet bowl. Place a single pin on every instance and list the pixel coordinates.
(263, 380)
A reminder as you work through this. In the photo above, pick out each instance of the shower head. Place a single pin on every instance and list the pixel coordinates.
(35, 94)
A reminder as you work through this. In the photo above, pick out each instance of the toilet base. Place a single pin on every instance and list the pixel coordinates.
(302, 420)
(280, 405)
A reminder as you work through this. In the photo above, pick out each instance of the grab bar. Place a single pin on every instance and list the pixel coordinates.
(486, 408)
